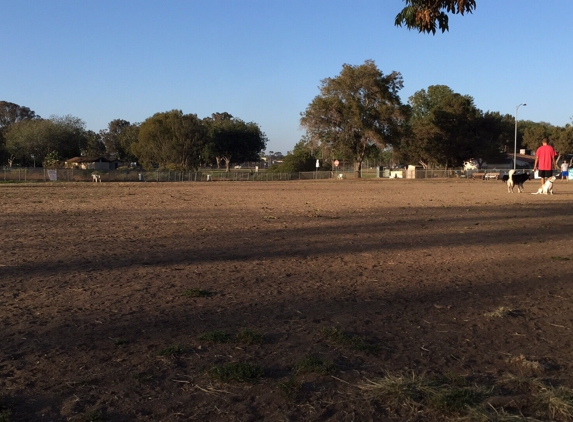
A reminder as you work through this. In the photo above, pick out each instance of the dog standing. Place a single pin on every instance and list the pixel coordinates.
(513, 180)
(547, 187)
(96, 178)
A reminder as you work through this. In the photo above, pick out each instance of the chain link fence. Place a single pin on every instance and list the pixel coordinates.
(78, 175)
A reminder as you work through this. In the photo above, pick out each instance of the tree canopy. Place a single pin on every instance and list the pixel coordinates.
(232, 140)
(356, 109)
(170, 140)
(447, 128)
(430, 15)
(40, 137)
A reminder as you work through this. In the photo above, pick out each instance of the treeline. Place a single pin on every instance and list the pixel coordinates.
(359, 115)
(168, 140)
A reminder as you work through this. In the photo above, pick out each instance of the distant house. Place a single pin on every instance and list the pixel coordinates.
(92, 163)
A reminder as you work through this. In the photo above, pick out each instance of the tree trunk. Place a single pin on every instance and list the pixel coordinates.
(227, 164)
(357, 168)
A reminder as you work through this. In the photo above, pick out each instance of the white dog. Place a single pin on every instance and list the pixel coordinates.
(547, 187)
(96, 178)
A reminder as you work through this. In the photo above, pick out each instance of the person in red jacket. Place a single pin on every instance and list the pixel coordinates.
(545, 160)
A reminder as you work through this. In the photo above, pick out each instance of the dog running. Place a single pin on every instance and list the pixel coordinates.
(547, 187)
(513, 180)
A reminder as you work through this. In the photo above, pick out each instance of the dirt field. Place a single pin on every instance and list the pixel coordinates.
(128, 301)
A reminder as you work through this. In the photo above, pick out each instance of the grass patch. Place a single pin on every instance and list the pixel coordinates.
(354, 342)
(217, 336)
(237, 372)
(311, 363)
(290, 388)
(250, 337)
(5, 415)
(197, 293)
(172, 351)
(560, 258)
(418, 394)
(143, 377)
(500, 312)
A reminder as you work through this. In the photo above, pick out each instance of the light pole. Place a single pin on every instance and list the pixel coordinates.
(515, 141)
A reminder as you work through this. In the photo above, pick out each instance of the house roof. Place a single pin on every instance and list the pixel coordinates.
(88, 160)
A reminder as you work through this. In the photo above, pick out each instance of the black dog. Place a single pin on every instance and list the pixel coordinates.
(513, 179)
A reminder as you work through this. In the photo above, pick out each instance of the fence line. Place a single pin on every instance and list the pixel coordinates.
(22, 174)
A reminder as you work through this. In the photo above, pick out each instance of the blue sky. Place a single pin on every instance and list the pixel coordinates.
(263, 60)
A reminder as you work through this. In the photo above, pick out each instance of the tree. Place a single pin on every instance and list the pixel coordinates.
(94, 146)
(171, 140)
(354, 110)
(300, 159)
(447, 128)
(39, 137)
(118, 138)
(11, 113)
(233, 140)
(429, 15)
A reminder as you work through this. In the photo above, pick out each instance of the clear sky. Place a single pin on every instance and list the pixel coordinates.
(263, 60)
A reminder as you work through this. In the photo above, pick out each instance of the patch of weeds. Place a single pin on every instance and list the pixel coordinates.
(197, 293)
(5, 415)
(450, 399)
(557, 403)
(521, 360)
(501, 312)
(217, 336)
(399, 392)
(93, 416)
(418, 394)
(290, 388)
(120, 341)
(172, 351)
(237, 371)
(560, 258)
(355, 342)
(250, 337)
(311, 363)
(143, 377)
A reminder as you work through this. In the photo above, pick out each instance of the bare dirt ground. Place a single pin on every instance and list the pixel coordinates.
(128, 301)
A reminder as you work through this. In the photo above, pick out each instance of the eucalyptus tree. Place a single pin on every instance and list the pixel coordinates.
(430, 15)
(355, 110)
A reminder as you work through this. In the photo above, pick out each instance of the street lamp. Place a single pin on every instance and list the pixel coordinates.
(515, 141)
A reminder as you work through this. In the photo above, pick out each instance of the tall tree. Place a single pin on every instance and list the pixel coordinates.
(171, 140)
(356, 109)
(233, 140)
(447, 128)
(11, 113)
(429, 15)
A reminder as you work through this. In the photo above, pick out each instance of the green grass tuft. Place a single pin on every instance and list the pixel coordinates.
(197, 293)
(173, 351)
(217, 336)
(354, 342)
(311, 363)
(250, 337)
(237, 372)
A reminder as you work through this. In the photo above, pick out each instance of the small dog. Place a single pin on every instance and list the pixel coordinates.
(547, 187)
(513, 179)
(340, 176)
(96, 178)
